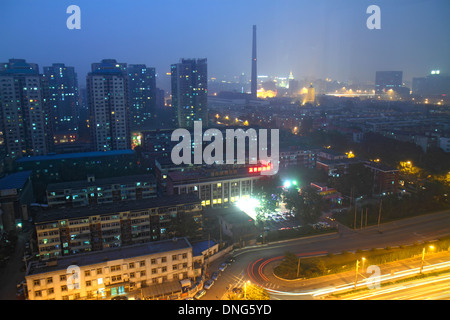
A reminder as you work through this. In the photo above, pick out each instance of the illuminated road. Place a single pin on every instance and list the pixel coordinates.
(432, 288)
(254, 263)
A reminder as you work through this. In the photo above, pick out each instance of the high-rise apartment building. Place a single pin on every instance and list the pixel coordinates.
(189, 81)
(25, 124)
(142, 95)
(254, 81)
(107, 87)
(63, 96)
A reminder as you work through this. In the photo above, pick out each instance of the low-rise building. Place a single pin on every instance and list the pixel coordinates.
(216, 187)
(100, 191)
(16, 194)
(385, 178)
(75, 166)
(293, 157)
(109, 273)
(327, 193)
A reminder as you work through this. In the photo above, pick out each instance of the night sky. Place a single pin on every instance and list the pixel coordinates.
(315, 38)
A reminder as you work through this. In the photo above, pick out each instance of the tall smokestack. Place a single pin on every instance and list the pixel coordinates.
(254, 84)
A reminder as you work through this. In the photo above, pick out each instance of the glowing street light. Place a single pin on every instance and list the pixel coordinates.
(245, 289)
(288, 183)
(357, 266)
(423, 257)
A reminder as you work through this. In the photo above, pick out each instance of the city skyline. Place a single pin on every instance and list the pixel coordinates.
(318, 40)
(135, 140)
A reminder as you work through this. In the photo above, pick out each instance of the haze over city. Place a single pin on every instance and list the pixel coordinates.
(314, 39)
(124, 170)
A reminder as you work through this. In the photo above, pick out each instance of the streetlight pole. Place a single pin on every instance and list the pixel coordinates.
(245, 290)
(356, 273)
(423, 258)
(298, 267)
(379, 215)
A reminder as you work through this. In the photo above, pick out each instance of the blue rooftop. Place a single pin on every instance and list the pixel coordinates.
(94, 154)
(199, 247)
(14, 180)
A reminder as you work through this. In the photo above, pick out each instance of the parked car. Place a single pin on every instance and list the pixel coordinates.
(208, 284)
(223, 266)
(119, 298)
(199, 294)
(215, 276)
(230, 260)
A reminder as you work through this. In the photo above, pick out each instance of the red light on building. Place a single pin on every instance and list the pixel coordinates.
(261, 168)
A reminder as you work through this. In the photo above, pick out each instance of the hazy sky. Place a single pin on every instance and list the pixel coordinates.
(318, 38)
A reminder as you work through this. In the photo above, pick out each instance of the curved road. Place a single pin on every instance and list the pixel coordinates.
(256, 259)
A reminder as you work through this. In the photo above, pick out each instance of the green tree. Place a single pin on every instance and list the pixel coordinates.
(307, 204)
(267, 191)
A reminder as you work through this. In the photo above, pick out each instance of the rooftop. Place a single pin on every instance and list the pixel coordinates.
(199, 247)
(380, 167)
(232, 215)
(14, 180)
(102, 182)
(124, 252)
(205, 174)
(55, 214)
(94, 154)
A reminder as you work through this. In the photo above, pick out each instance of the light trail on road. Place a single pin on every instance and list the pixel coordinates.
(438, 289)
(260, 263)
(387, 277)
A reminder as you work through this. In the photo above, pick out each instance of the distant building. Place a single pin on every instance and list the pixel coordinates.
(107, 86)
(386, 80)
(75, 166)
(63, 97)
(336, 167)
(98, 227)
(16, 194)
(150, 270)
(142, 95)
(327, 154)
(294, 87)
(310, 97)
(25, 125)
(189, 80)
(385, 178)
(254, 76)
(100, 191)
(292, 157)
(436, 84)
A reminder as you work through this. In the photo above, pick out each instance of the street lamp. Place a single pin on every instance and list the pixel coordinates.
(357, 266)
(423, 257)
(245, 289)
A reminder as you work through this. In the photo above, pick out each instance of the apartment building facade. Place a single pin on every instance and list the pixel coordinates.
(99, 191)
(93, 228)
(216, 187)
(109, 273)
